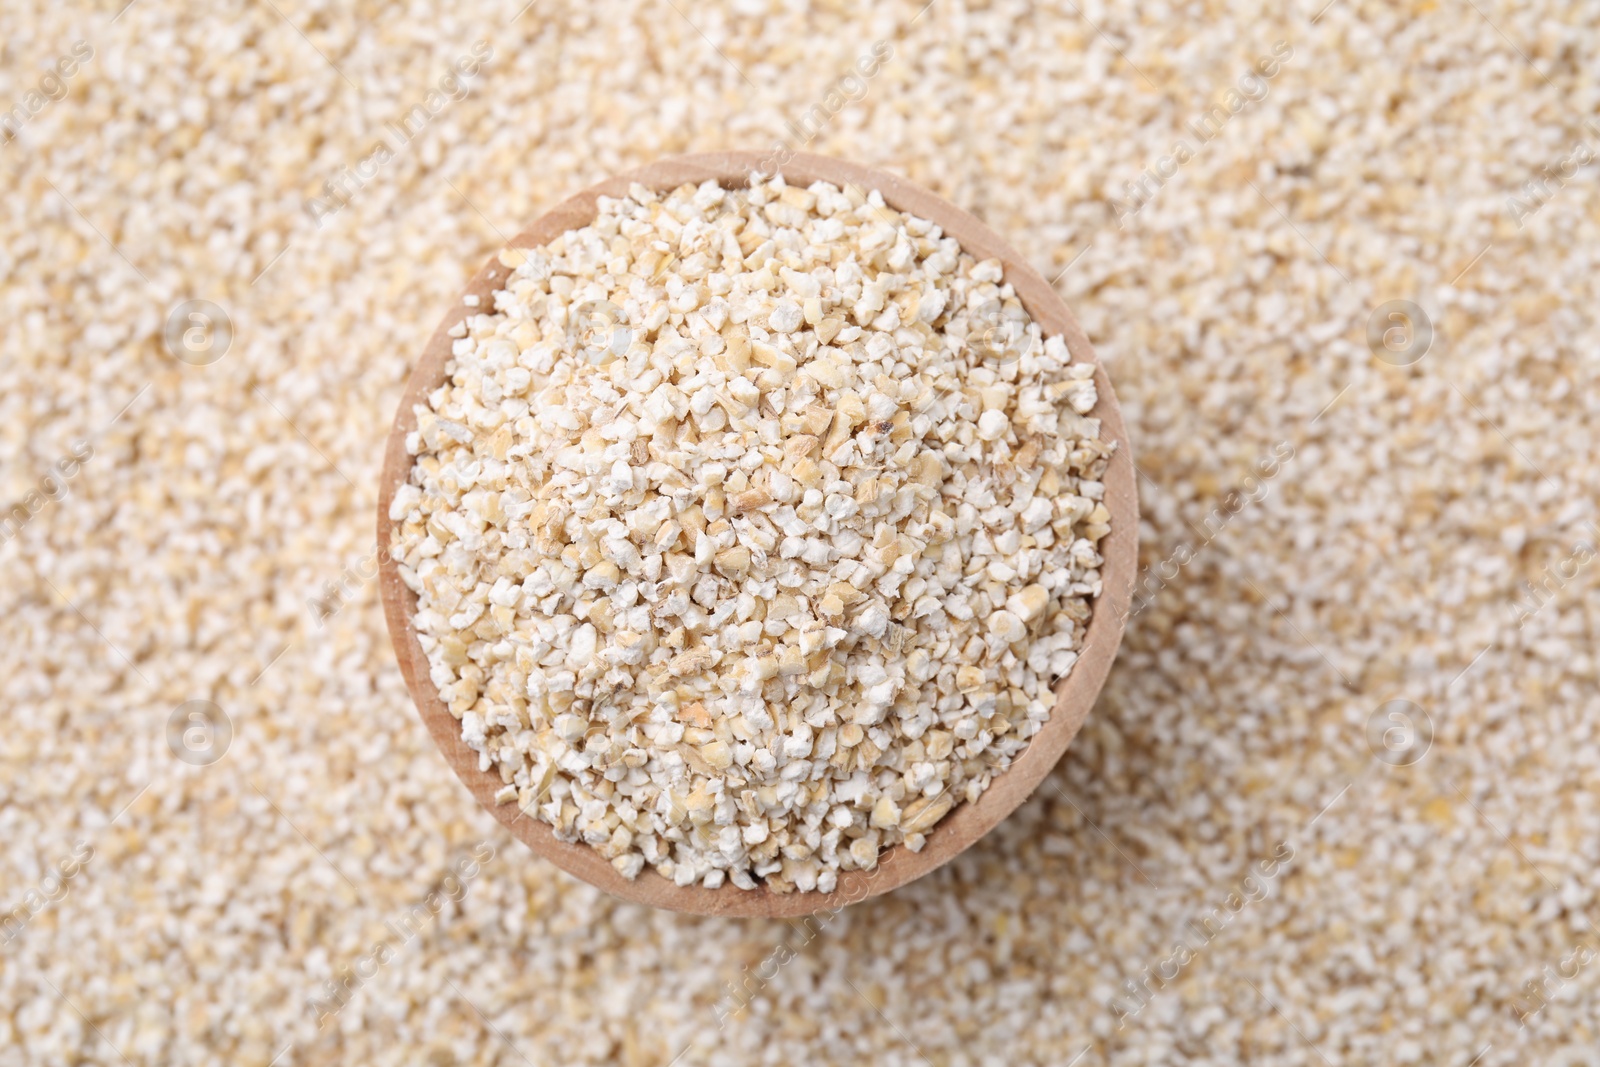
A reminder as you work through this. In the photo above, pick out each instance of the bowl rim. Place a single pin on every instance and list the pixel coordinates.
(1075, 694)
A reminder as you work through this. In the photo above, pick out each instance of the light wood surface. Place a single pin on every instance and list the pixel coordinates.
(1075, 695)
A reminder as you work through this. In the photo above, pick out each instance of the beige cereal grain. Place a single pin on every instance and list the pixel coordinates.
(1393, 545)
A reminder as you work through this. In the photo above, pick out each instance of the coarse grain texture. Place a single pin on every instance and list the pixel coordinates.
(734, 589)
(1383, 560)
(1074, 695)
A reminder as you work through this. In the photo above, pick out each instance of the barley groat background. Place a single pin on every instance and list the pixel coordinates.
(1339, 676)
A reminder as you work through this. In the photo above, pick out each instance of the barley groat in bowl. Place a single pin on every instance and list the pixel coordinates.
(756, 543)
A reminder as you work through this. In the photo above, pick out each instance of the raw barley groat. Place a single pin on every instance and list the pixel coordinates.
(751, 530)
(1415, 915)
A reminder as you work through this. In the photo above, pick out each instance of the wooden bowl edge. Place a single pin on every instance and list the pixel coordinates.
(1075, 694)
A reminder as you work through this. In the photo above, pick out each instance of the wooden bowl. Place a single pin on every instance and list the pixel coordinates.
(1074, 694)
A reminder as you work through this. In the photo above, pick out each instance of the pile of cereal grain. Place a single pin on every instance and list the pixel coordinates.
(205, 533)
(751, 529)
